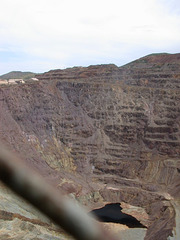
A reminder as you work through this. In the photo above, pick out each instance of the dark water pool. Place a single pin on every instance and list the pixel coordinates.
(112, 213)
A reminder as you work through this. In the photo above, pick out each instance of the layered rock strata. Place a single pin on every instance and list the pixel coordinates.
(103, 134)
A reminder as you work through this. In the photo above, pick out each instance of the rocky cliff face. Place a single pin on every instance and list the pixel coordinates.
(104, 134)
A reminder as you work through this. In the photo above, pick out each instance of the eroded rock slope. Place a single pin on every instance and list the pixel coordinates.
(103, 134)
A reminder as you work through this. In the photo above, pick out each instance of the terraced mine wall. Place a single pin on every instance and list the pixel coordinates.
(104, 134)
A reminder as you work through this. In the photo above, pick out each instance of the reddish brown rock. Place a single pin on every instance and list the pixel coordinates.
(115, 131)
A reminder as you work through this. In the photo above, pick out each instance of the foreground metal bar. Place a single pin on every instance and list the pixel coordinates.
(48, 200)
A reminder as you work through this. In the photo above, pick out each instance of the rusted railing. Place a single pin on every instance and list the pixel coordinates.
(22, 180)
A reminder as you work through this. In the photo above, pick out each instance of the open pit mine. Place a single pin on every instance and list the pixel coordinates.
(108, 137)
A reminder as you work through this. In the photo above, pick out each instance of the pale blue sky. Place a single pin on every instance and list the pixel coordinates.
(39, 35)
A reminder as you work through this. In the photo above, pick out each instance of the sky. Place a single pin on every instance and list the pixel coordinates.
(40, 35)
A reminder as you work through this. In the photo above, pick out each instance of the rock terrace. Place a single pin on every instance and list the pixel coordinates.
(103, 134)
